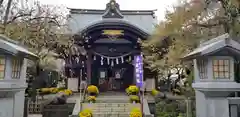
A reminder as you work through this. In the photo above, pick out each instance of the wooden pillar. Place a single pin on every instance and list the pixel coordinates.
(89, 68)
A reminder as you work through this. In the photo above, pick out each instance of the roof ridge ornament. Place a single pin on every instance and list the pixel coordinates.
(112, 10)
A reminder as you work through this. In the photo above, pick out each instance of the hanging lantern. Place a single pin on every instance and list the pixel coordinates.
(108, 61)
(116, 60)
(101, 60)
(122, 59)
(94, 57)
(112, 63)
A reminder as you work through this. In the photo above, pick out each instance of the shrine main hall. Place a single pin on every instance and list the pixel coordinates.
(112, 40)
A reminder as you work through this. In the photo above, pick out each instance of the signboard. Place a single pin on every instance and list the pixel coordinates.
(138, 64)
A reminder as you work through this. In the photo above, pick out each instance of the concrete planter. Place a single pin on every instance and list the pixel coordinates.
(58, 110)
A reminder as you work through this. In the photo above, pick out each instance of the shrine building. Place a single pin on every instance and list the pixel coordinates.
(111, 38)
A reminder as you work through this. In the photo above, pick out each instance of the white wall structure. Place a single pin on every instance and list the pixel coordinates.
(13, 66)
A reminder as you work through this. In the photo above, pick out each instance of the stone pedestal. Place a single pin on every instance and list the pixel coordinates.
(150, 84)
(73, 84)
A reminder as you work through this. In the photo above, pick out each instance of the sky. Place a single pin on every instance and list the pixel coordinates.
(159, 5)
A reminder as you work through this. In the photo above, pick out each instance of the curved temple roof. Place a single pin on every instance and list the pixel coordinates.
(14, 49)
(80, 19)
(214, 45)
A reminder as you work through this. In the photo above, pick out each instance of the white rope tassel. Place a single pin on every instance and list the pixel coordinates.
(117, 60)
(101, 60)
(108, 61)
(122, 59)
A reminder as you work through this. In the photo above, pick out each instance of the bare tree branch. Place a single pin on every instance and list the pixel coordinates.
(7, 12)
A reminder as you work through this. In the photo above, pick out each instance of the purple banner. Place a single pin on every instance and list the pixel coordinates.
(138, 64)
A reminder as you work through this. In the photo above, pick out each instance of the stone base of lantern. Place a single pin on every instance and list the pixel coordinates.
(150, 84)
(73, 84)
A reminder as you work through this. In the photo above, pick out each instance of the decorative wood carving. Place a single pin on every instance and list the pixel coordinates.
(112, 10)
(113, 32)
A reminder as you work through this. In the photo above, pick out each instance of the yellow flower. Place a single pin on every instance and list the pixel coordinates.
(85, 113)
(128, 91)
(154, 92)
(132, 89)
(92, 89)
(45, 90)
(67, 92)
(91, 98)
(54, 90)
(136, 112)
(134, 98)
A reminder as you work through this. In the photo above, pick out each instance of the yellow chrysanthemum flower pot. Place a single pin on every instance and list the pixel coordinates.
(54, 90)
(154, 92)
(135, 112)
(92, 90)
(134, 98)
(91, 99)
(85, 113)
(67, 92)
(132, 90)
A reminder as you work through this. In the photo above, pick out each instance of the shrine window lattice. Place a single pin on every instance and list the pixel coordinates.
(16, 68)
(221, 69)
(2, 67)
(202, 66)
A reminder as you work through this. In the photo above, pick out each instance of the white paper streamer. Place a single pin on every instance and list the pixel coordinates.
(122, 59)
(108, 61)
(112, 63)
(94, 57)
(101, 60)
(116, 60)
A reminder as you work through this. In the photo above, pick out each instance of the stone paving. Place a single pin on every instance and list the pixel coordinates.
(35, 115)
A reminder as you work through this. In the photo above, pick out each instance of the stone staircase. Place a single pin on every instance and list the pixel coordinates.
(110, 109)
(111, 105)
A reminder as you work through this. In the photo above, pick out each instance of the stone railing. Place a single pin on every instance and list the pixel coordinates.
(146, 109)
(78, 105)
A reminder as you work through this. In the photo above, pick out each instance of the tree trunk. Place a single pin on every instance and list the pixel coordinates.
(7, 12)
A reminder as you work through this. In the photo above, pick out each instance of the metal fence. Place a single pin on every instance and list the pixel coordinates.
(35, 107)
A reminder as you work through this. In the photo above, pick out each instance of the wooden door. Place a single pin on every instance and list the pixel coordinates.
(103, 80)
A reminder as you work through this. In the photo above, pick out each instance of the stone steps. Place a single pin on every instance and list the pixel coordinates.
(111, 115)
(111, 105)
(110, 109)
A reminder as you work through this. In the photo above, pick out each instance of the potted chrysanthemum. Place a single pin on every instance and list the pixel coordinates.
(132, 90)
(85, 113)
(134, 99)
(91, 99)
(92, 90)
(135, 112)
(154, 92)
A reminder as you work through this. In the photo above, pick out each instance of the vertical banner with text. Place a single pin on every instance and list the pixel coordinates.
(138, 64)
